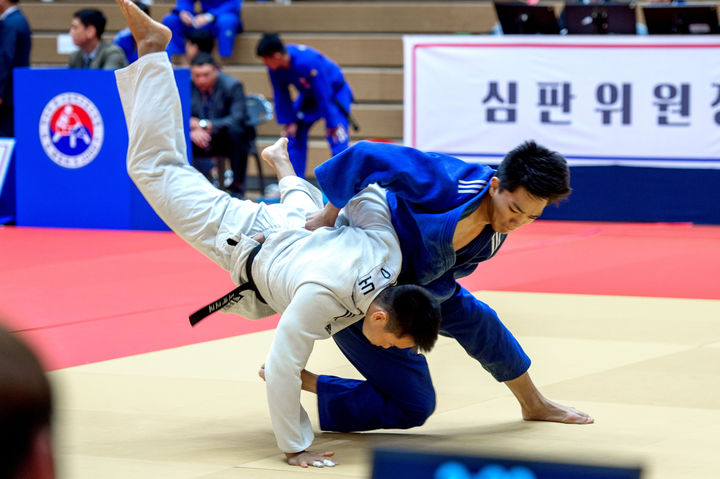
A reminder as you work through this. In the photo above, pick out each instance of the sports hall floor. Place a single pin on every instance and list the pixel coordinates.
(621, 320)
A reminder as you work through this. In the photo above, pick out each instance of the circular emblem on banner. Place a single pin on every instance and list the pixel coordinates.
(71, 130)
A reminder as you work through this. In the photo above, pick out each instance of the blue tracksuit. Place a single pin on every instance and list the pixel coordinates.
(323, 93)
(125, 40)
(428, 194)
(227, 24)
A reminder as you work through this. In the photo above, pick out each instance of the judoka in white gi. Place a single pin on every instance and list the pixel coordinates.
(321, 281)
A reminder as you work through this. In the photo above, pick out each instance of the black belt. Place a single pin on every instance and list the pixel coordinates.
(232, 296)
(347, 114)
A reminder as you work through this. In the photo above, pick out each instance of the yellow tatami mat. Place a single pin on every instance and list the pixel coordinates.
(647, 369)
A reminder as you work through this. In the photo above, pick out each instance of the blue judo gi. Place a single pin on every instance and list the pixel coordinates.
(125, 40)
(322, 93)
(428, 193)
(225, 27)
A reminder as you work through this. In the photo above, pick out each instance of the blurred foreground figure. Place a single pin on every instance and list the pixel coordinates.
(25, 412)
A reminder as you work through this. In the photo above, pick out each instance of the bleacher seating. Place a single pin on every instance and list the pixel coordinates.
(364, 38)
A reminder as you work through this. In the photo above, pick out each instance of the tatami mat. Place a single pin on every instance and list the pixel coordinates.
(647, 369)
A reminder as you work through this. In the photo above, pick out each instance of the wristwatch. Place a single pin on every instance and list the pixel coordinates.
(203, 123)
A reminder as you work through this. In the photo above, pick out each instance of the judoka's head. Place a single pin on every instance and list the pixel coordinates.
(204, 72)
(528, 179)
(272, 51)
(87, 27)
(198, 41)
(404, 317)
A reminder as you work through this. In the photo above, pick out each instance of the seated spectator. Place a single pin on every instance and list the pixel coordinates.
(25, 413)
(86, 30)
(217, 121)
(125, 40)
(219, 17)
(198, 41)
(15, 45)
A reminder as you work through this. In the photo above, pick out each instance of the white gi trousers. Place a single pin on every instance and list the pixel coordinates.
(199, 213)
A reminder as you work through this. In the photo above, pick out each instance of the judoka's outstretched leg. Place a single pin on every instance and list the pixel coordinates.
(157, 159)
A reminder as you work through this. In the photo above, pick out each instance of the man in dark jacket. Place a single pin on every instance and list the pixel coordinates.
(14, 52)
(218, 117)
(86, 30)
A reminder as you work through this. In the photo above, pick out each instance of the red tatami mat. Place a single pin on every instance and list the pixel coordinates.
(624, 259)
(82, 296)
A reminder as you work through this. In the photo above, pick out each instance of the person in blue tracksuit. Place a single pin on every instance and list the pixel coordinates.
(125, 40)
(220, 17)
(449, 216)
(322, 93)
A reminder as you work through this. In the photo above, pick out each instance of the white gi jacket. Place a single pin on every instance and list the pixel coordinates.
(323, 281)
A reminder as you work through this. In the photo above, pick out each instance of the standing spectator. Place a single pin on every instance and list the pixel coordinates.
(217, 119)
(86, 30)
(14, 52)
(25, 413)
(125, 40)
(198, 41)
(219, 17)
(322, 93)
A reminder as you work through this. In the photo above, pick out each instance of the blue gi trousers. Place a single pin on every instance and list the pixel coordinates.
(398, 391)
(225, 27)
(297, 145)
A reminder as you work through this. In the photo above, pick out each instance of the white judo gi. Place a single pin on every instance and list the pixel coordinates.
(321, 281)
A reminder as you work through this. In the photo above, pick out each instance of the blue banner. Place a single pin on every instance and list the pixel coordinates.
(71, 148)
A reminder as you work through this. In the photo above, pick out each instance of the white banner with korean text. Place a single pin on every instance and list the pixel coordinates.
(598, 100)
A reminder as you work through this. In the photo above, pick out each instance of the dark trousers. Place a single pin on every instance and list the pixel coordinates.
(397, 393)
(232, 144)
(7, 129)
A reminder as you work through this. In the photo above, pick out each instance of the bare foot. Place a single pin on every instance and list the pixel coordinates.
(149, 35)
(309, 458)
(536, 407)
(276, 155)
(554, 412)
(309, 380)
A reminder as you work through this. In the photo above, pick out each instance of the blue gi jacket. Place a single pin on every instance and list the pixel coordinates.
(214, 7)
(318, 81)
(428, 193)
(125, 40)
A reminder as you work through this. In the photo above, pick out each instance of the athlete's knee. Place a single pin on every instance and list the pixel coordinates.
(227, 21)
(172, 21)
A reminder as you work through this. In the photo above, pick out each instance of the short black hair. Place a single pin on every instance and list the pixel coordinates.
(142, 7)
(269, 44)
(25, 402)
(412, 311)
(203, 58)
(204, 40)
(543, 173)
(90, 16)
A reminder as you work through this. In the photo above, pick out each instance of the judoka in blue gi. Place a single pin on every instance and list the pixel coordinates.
(322, 93)
(220, 17)
(449, 216)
